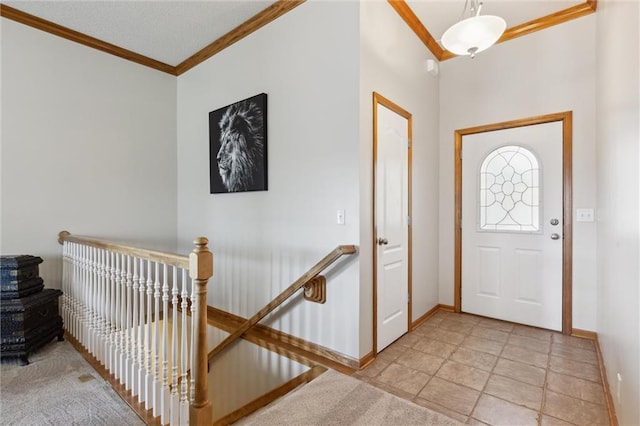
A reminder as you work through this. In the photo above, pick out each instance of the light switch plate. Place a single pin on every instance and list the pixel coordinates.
(340, 217)
(584, 215)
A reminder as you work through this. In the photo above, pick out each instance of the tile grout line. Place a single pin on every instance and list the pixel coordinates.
(445, 359)
(469, 334)
(491, 373)
(543, 402)
(434, 373)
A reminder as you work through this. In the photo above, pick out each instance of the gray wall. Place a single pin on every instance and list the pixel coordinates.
(88, 145)
(618, 157)
(307, 63)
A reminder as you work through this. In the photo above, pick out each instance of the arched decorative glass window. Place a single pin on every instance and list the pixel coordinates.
(510, 190)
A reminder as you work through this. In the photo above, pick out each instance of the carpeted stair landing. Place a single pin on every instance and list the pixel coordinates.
(337, 399)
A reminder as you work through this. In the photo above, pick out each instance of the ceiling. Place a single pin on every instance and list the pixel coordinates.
(170, 32)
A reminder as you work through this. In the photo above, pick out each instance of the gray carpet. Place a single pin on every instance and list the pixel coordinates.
(337, 399)
(59, 387)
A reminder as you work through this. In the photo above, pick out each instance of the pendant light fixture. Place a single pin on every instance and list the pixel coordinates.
(475, 33)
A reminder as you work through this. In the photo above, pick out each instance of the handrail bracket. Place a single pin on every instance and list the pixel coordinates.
(316, 290)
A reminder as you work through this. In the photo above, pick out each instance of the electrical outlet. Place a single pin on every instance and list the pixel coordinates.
(584, 215)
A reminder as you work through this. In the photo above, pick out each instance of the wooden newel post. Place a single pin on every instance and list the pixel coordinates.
(200, 270)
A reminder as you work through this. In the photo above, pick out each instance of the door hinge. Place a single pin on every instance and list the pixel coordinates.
(408, 143)
(408, 297)
(409, 220)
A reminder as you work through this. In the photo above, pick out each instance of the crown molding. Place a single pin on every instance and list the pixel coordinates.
(78, 37)
(564, 15)
(261, 19)
(550, 20)
(408, 15)
(258, 21)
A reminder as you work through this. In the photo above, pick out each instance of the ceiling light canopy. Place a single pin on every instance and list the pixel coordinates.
(474, 34)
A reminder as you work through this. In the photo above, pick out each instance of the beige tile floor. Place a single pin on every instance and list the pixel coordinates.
(483, 371)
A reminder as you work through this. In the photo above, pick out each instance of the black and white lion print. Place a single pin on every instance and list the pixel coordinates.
(241, 155)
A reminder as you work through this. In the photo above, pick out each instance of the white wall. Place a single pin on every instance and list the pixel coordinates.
(392, 63)
(618, 157)
(307, 63)
(88, 145)
(546, 72)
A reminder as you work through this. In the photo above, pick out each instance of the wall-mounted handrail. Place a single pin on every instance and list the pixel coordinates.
(286, 294)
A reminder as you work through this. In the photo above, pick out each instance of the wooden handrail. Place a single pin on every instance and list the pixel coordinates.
(286, 294)
(172, 259)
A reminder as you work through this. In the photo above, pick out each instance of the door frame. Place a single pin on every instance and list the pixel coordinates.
(379, 99)
(567, 205)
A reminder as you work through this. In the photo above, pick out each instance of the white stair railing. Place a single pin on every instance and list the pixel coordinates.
(142, 315)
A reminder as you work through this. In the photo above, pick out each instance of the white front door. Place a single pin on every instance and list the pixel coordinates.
(392, 227)
(512, 223)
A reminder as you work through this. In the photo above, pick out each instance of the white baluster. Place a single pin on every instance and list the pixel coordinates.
(77, 295)
(110, 272)
(184, 355)
(71, 325)
(93, 304)
(86, 313)
(156, 342)
(121, 318)
(141, 348)
(175, 397)
(97, 304)
(82, 293)
(103, 319)
(114, 352)
(148, 380)
(71, 290)
(105, 285)
(97, 307)
(104, 305)
(103, 313)
(165, 411)
(88, 302)
(192, 359)
(134, 331)
(129, 325)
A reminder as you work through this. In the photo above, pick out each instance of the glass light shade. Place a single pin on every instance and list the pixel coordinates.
(473, 35)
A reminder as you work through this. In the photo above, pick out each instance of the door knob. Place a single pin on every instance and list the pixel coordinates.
(555, 236)
(554, 221)
(382, 241)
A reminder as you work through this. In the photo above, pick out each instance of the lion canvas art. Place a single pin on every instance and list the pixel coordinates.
(238, 146)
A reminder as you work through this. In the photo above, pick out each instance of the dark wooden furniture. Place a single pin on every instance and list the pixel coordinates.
(29, 315)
